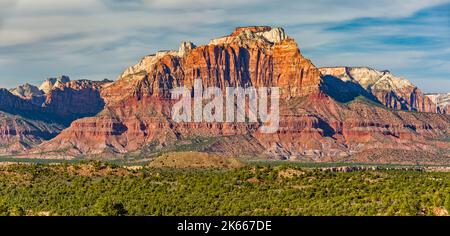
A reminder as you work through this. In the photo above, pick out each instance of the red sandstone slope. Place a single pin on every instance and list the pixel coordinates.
(314, 126)
(23, 124)
(18, 134)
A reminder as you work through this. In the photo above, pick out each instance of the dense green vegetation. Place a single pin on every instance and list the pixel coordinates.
(103, 189)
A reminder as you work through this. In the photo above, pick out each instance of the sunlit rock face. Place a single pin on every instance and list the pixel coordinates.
(442, 101)
(256, 33)
(250, 56)
(315, 124)
(387, 89)
(49, 83)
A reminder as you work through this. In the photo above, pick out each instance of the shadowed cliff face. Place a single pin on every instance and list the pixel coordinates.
(321, 119)
(380, 86)
(29, 116)
(344, 91)
(74, 100)
(15, 105)
(23, 124)
(62, 104)
(29, 92)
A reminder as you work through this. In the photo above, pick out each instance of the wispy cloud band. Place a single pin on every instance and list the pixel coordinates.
(99, 38)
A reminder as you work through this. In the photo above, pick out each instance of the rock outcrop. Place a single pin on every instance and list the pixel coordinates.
(442, 101)
(29, 116)
(50, 83)
(29, 92)
(314, 124)
(23, 124)
(254, 56)
(18, 134)
(75, 99)
(259, 33)
(387, 89)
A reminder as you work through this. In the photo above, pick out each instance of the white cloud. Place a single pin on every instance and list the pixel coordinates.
(33, 20)
(94, 37)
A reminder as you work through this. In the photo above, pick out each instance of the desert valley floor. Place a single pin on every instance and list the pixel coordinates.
(231, 188)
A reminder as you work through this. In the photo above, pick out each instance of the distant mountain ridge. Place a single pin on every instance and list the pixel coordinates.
(50, 83)
(387, 89)
(326, 114)
(442, 101)
(31, 114)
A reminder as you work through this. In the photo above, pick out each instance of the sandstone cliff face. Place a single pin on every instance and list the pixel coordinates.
(319, 129)
(138, 102)
(389, 90)
(50, 83)
(75, 99)
(28, 116)
(13, 104)
(29, 92)
(442, 101)
(313, 126)
(23, 124)
(18, 134)
(63, 103)
(255, 56)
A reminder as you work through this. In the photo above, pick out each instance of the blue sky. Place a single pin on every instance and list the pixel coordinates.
(96, 39)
